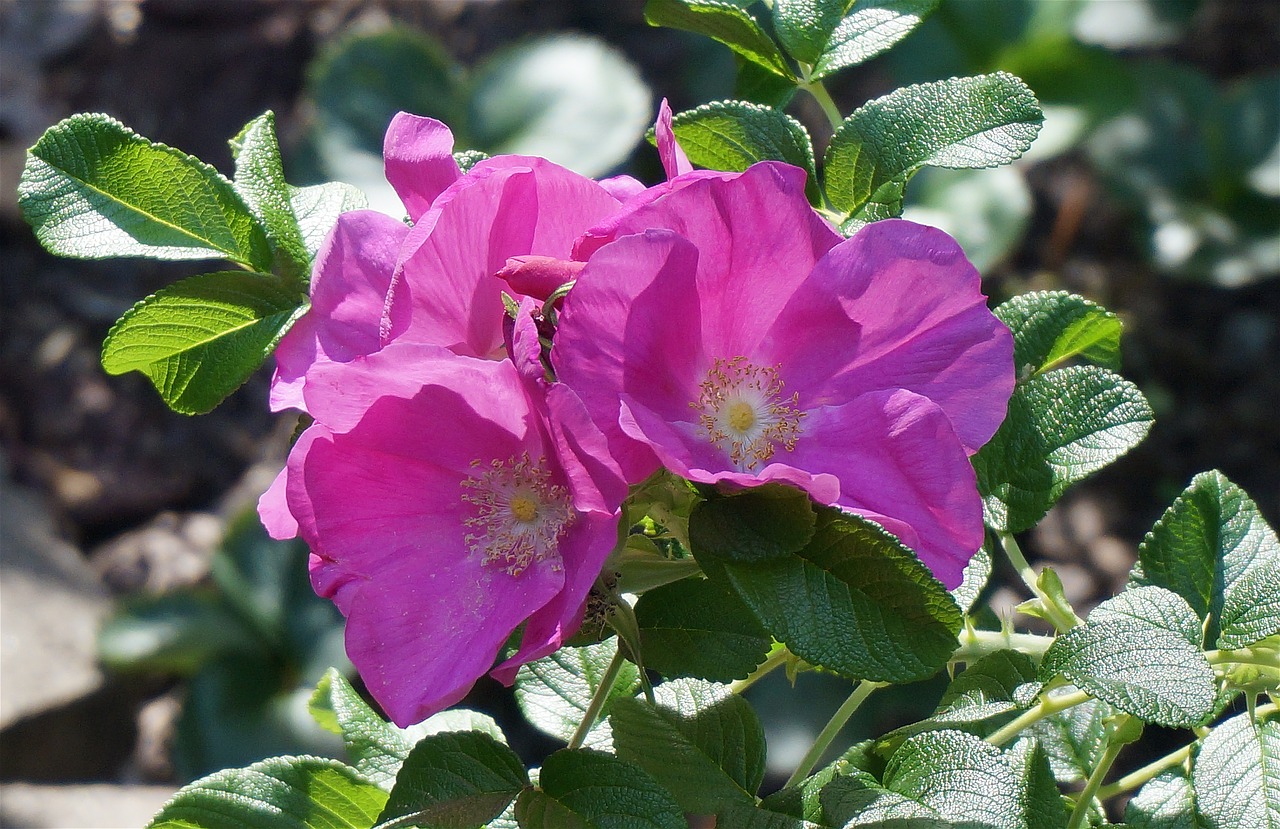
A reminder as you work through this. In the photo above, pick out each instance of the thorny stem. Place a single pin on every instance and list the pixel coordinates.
(829, 731)
(774, 661)
(975, 644)
(1048, 706)
(1093, 784)
(598, 699)
(1062, 618)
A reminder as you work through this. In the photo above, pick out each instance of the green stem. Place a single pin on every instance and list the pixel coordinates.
(598, 700)
(1081, 813)
(823, 97)
(975, 644)
(771, 663)
(1049, 705)
(1134, 779)
(1062, 618)
(831, 729)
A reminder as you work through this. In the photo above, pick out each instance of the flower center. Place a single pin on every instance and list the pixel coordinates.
(742, 411)
(519, 514)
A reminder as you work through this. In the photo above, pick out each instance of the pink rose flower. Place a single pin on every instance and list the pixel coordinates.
(447, 500)
(732, 336)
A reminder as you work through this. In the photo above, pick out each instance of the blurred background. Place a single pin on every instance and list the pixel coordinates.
(151, 634)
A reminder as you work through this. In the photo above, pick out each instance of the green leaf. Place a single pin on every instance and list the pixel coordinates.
(280, 793)
(200, 339)
(723, 21)
(173, 633)
(456, 780)
(743, 816)
(572, 99)
(1166, 802)
(260, 182)
(1062, 426)
(853, 600)
(1237, 774)
(976, 701)
(803, 26)
(982, 121)
(592, 790)
(870, 28)
(1042, 805)
(1213, 548)
(760, 86)
(555, 691)
(697, 628)
(976, 575)
(733, 135)
(703, 744)
(1051, 327)
(954, 777)
(92, 188)
(318, 207)
(379, 748)
(1073, 739)
(1134, 653)
(757, 524)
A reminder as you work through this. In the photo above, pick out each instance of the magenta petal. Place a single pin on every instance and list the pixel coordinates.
(897, 455)
(749, 267)
(339, 394)
(445, 291)
(674, 161)
(924, 324)
(615, 335)
(418, 157)
(384, 507)
(622, 188)
(426, 627)
(273, 509)
(348, 291)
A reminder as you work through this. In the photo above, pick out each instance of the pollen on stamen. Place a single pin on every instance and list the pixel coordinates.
(519, 514)
(742, 411)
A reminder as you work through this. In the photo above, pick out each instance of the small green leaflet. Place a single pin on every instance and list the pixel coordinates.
(698, 628)
(981, 121)
(1051, 327)
(871, 27)
(1136, 653)
(379, 748)
(1237, 774)
(1166, 802)
(853, 600)
(200, 339)
(280, 793)
(723, 21)
(803, 26)
(976, 575)
(260, 181)
(592, 790)
(764, 522)
(733, 135)
(1062, 426)
(703, 744)
(554, 692)
(973, 701)
(318, 207)
(93, 189)
(456, 779)
(950, 778)
(1213, 548)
